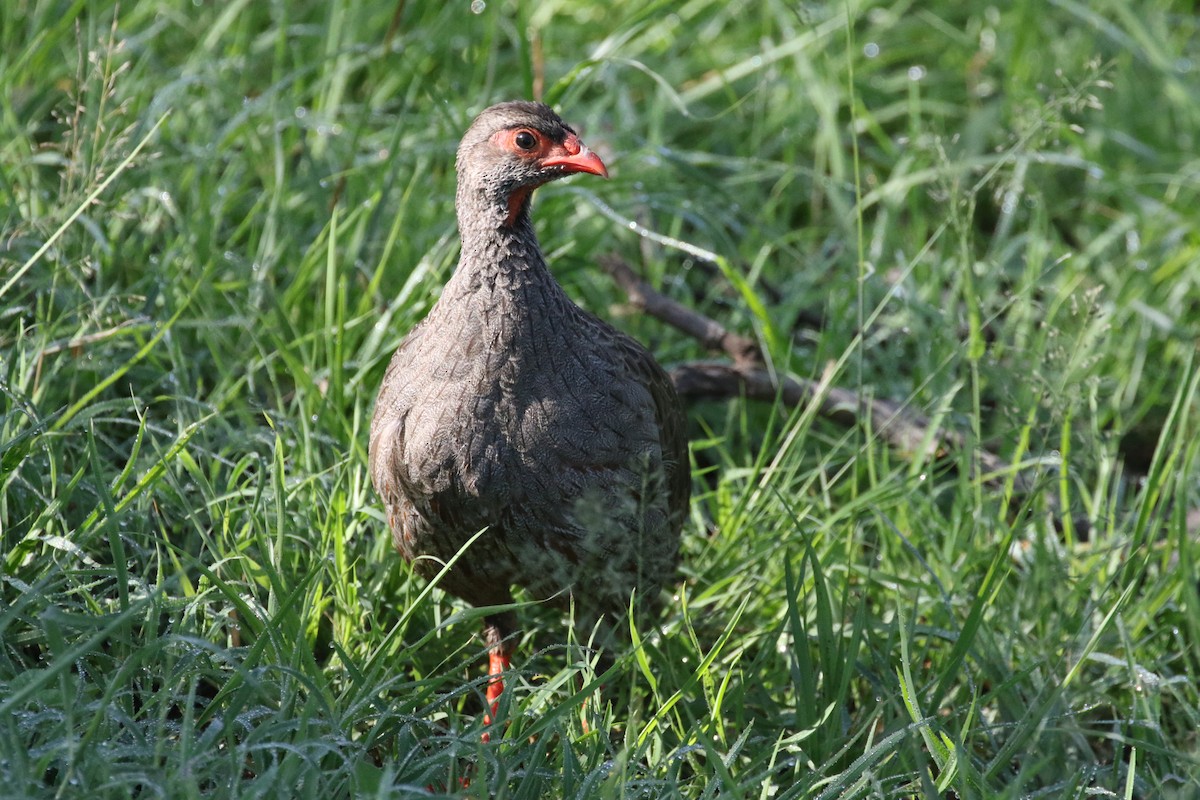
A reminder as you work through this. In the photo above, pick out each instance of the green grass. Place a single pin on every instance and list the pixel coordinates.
(219, 219)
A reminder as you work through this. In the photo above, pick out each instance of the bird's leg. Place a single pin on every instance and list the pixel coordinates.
(582, 682)
(496, 631)
(498, 664)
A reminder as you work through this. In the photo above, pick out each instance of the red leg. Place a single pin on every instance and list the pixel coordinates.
(497, 631)
(498, 663)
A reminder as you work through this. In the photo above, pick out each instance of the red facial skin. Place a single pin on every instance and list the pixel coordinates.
(569, 157)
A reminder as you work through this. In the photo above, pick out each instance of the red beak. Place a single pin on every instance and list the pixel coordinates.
(573, 156)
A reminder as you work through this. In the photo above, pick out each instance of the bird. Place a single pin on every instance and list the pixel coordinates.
(512, 413)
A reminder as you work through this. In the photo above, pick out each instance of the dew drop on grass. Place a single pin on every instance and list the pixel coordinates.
(478, 6)
(870, 49)
(916, 72)
(1133, 242)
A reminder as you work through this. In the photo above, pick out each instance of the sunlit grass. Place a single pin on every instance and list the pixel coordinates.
(219, 220)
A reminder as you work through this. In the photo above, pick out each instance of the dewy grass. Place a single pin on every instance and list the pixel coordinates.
(218, 220)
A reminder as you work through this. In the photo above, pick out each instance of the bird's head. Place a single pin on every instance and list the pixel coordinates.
(513, 148)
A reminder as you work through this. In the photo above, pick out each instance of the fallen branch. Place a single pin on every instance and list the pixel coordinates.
(711, 333)
(907, 431)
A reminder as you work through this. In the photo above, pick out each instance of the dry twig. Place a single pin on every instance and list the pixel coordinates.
(907, 431)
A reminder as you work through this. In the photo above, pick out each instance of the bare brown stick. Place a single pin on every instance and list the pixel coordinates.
(710, 333)
(394, 27)
(905, 430)
(539, 64)
(910, 433)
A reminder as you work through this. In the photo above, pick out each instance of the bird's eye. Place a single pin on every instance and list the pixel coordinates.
(525, 140)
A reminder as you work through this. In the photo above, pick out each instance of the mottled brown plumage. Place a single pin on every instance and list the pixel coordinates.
(510, 409)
